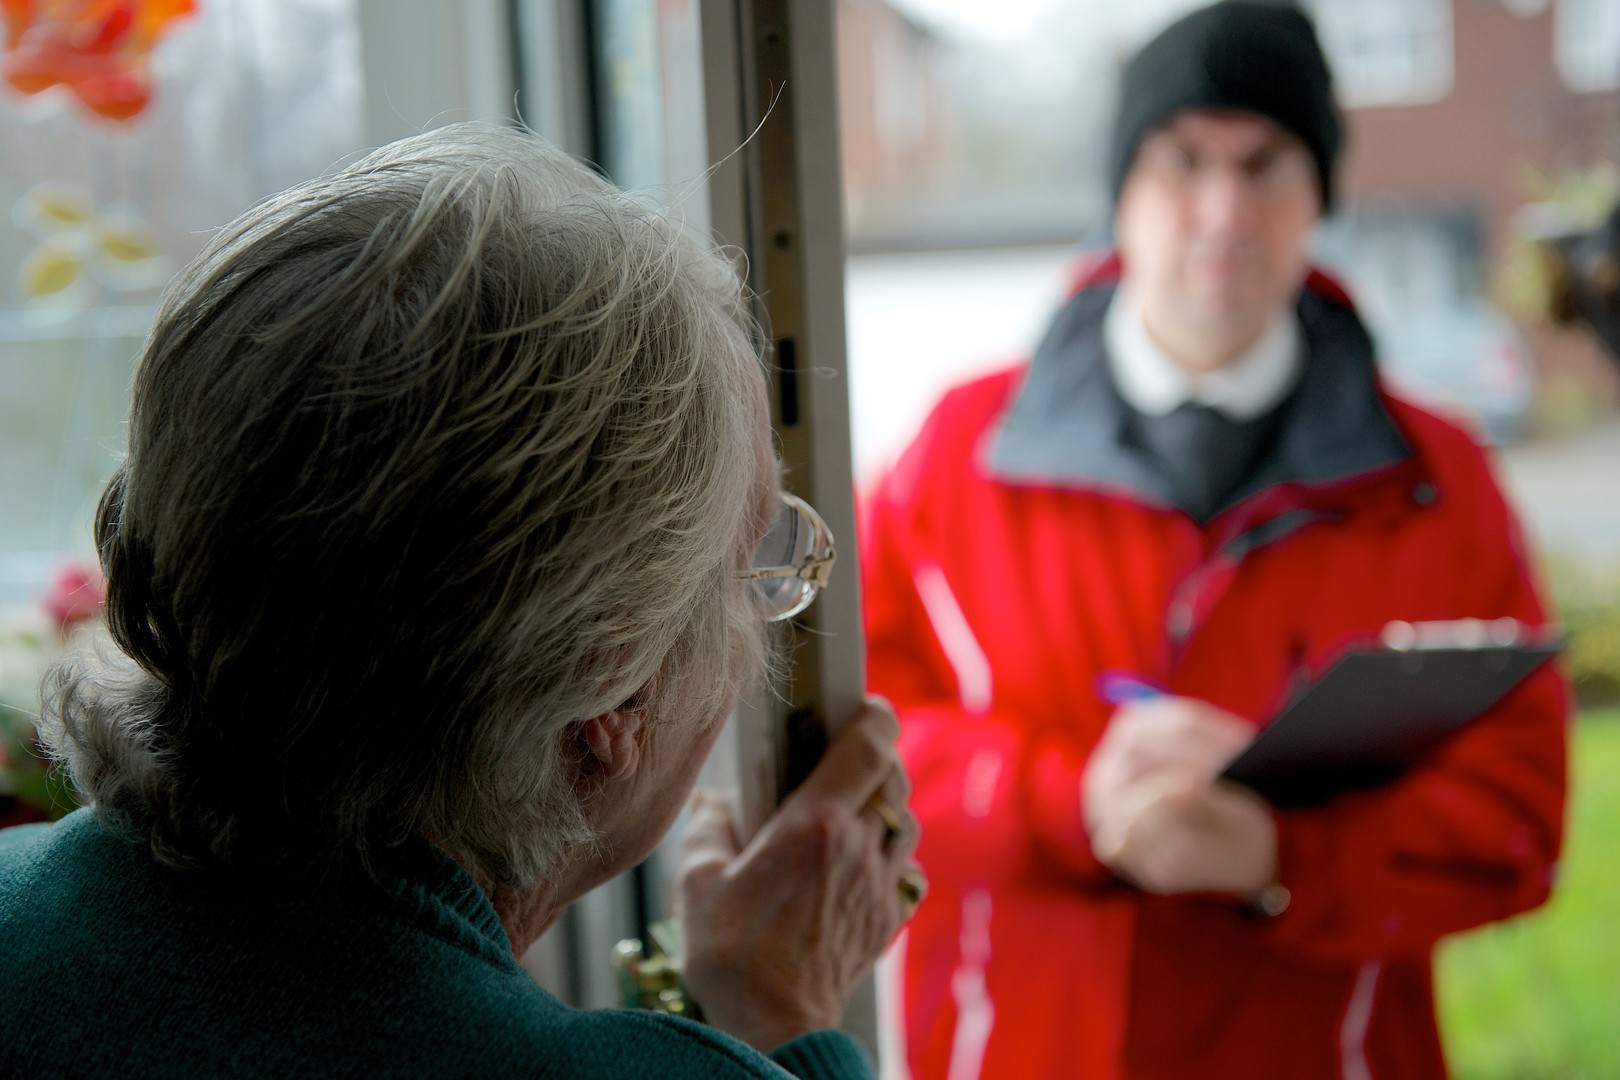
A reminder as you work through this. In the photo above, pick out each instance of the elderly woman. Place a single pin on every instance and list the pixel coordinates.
(434, 569)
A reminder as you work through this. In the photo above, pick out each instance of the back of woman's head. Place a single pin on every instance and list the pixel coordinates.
(429, 459)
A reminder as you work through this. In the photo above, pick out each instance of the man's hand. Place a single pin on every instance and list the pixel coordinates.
(779, 932)
(1155, 812)
(1170, 836)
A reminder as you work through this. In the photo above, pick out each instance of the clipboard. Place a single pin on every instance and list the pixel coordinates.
(1378, 710)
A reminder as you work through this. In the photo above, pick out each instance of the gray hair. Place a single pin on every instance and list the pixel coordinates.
(430, 459)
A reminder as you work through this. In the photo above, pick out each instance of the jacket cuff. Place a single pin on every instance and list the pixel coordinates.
(1056, 815)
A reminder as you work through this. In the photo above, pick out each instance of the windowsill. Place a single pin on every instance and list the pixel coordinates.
(75, 324)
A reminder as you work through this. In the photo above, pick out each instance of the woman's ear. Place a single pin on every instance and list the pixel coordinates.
(614, 742)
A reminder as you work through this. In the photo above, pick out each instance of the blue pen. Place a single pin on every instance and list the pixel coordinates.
(1118, 687)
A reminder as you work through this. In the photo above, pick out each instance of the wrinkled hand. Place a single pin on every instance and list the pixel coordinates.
(1156, 813)
(779, 932)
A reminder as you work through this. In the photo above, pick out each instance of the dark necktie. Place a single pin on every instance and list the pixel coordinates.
(1203, 454)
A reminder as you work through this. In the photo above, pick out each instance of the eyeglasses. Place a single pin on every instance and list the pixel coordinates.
(793, 561)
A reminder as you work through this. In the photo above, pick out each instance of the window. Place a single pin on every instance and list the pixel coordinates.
(106, 194)
(1387, 52)
(648, 95)
(1586, 41)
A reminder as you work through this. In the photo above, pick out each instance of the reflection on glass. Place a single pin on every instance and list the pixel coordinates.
(99, 204)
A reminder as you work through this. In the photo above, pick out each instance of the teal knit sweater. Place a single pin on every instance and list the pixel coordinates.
(113, 965)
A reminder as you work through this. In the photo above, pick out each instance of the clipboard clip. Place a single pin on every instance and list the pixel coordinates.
(1400, 636)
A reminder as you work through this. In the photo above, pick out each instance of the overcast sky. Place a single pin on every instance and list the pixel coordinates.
(1003, 22)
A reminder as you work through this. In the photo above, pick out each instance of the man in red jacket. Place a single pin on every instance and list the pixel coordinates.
(1199, 482)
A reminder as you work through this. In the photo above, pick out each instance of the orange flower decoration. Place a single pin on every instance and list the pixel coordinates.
(99, 49)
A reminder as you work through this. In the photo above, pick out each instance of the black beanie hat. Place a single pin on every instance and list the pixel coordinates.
(1246, 56)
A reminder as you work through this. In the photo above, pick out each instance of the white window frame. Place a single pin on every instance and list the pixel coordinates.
(1586, 44)
(1387, 52)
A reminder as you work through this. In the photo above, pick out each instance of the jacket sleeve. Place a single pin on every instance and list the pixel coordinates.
(998, 797)
(1471, 836)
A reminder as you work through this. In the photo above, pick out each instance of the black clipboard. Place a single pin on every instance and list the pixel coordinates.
(1380, 709)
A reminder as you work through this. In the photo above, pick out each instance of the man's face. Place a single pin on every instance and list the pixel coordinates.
(1214, 224)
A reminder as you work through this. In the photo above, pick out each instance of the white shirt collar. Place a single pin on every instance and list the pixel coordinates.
(1154, 384)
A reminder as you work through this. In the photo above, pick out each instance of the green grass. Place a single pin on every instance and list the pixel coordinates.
(1538, 998)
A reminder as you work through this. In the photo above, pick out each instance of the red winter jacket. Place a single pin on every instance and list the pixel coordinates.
(1017, 550)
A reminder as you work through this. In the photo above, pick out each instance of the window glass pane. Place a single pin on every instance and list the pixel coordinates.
(649, 85)
(1587, 38)
(117, 164)
(1387, 52)
(632, 136)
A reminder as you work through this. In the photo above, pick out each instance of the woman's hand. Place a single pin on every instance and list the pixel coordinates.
(779, 932)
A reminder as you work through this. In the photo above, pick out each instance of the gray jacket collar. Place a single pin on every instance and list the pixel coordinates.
(1065, 426)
